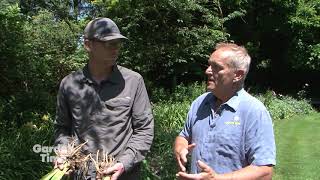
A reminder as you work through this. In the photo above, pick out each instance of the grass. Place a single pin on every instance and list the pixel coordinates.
(298, 148)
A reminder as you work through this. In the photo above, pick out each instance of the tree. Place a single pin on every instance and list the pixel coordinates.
(169, 41)
(35, 54)
(304, 49)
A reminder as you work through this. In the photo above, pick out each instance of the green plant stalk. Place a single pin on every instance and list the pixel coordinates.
(50, 174)
(107, 178)
(60, 173)
(57, 174)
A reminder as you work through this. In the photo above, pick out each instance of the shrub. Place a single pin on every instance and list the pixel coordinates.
(17, 158)
(169, 119)
(180, 93)
(282, 107)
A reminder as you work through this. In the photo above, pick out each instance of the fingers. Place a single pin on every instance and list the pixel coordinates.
(191, 146)
(182, 159)
(204, 167)
(59, 163)
(112, 169)
(116, 175)
(206, 173)
(181, 166)
(185, 176)
(116, 170)
(98, 176)
(55, 164)
(182, 156)
(69, 172)
(61, 158)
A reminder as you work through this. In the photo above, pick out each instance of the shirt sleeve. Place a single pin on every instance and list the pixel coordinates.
(260, 142)
(62, 123)
(143, 129)
(187, 129)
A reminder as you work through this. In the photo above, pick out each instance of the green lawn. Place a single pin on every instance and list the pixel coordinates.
(298, 148)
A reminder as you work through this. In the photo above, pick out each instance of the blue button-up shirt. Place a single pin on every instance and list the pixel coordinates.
(238, 134)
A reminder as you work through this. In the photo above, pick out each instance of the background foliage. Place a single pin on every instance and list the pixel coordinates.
(172, 37)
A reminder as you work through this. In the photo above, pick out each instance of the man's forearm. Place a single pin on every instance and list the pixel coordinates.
(62, 135)
(136, 151)
(248, 173)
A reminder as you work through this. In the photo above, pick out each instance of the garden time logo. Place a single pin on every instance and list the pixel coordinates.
(45, 152)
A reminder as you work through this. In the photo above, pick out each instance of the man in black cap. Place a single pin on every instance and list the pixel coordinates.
(106, 105)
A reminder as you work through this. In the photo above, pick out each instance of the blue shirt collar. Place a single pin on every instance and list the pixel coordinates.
(233, 102)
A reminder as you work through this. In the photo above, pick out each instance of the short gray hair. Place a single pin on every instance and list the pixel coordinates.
(239, 56)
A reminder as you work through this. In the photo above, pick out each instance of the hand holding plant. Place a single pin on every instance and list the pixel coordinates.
(68, 160)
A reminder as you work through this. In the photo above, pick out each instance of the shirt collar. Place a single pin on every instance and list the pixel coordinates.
(233, 102)
(86, 78)
(114, 77)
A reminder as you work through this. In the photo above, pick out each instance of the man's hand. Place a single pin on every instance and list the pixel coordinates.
(60, 160)
(116, 170)
(181, 155)
(206, 173)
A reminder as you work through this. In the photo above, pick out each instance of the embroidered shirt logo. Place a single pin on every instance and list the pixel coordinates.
(236, 118)
(236, 121)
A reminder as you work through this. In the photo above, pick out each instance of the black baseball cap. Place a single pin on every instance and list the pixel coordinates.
(102, 29)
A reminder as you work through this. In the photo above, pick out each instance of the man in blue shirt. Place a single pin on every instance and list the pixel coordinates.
(228, 132)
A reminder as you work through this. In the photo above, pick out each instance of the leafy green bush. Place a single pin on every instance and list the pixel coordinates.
(283, 107)
(17, 158)
(170, 111)
(180, 93)
(36, 53)
(11, 46)
(169, 118)
(25, 107)
(304, 51)
(172, 37)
